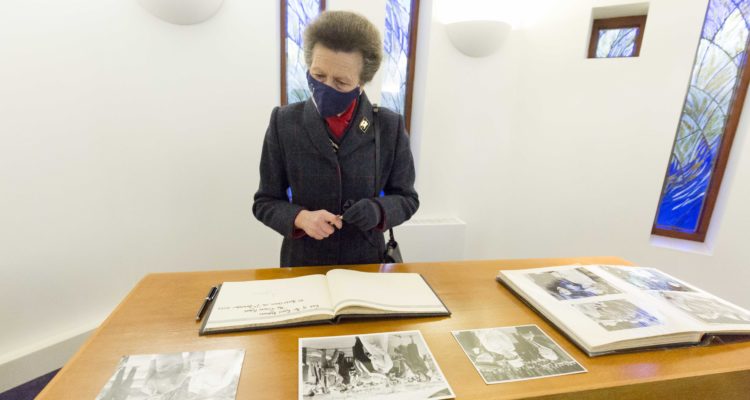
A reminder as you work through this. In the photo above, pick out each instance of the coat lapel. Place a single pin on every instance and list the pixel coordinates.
(361, 129)
(317, 132)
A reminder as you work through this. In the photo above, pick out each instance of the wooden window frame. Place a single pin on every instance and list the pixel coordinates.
(636, 21)
(413, 27)
(282, 54)
(717, 176)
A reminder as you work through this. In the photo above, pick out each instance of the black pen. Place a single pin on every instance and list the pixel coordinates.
(209, 297)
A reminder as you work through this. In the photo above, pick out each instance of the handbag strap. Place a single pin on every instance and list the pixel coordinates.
(376, 128)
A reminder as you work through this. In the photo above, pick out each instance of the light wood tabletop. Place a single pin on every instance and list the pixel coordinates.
(158, 316)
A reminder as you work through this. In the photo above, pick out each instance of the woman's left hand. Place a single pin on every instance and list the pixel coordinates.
(364, 214)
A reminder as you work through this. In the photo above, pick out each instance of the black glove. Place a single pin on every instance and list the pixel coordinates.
(364, 214)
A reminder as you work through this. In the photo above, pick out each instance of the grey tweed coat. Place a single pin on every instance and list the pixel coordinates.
(298, 154)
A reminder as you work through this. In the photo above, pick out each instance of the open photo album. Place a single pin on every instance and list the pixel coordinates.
(316, 299)
(613, 308)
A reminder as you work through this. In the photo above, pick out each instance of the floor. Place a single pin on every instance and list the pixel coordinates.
(28, 390)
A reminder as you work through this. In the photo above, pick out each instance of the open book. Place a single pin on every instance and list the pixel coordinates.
(613, 308)
(315, 299)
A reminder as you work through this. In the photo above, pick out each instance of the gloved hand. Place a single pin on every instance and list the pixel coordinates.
(364, 214)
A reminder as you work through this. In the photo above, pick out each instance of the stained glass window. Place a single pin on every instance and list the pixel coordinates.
(617, 37)
(616, 42)
(397, 49)
(295, 16)
(707, 123)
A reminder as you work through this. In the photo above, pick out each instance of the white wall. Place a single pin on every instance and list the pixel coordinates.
(545, 153)
(130, 146)
(127, 146)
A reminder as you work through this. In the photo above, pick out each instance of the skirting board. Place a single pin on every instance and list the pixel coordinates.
(35, 361)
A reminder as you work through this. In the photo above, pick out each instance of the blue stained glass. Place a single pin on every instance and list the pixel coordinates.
(299, 13)
(714, 83)
(396, 49)
(616, 42)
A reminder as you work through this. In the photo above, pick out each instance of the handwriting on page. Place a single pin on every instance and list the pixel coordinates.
(274, 309)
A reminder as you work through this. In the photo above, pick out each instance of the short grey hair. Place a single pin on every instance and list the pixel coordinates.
(348, 32)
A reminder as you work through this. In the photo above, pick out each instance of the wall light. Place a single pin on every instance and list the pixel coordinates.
(477, 28)
(182, 12)
(477, 38)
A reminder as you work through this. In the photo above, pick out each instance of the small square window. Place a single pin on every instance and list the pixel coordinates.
(617, 37)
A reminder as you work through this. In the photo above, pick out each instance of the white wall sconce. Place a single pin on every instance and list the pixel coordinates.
(183, 12)
(477, 38)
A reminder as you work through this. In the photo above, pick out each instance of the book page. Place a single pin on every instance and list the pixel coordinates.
(598, 309)
(395, 292)
(707, 312)
(265, 302)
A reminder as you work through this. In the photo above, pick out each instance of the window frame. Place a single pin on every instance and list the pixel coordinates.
(411, 63)
(635, 21)
(722, 158)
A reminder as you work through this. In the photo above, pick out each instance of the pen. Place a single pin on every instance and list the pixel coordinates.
(209, 297)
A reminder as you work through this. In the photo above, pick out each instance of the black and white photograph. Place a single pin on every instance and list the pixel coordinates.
(615, 315)
(572, 284)
(707, 309)
(647, 279)
(392, 365)
(515, 353)
(198, 375)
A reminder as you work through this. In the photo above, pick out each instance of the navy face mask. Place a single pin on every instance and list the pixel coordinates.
(330, 101)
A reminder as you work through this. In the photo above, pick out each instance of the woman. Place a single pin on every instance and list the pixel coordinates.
(323, 149)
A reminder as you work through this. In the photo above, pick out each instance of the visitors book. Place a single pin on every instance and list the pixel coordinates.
(316, 299)
(613, 308)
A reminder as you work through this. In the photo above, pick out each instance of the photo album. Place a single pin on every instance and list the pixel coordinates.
(316, 299)
(613, 308)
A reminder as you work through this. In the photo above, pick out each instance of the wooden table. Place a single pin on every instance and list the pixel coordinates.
(158, 317)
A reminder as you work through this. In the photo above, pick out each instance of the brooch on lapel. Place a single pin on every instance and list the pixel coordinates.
(363, 125)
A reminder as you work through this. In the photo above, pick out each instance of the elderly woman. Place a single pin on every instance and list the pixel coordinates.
(323, 150)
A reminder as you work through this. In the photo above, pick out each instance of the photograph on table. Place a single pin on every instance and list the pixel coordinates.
(515, 353)
(572, 283)
(391, 365)
(707, 309)
(647, 279)
(198, 375)
(615, 315)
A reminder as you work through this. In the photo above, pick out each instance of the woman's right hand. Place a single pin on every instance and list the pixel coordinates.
(317, 224)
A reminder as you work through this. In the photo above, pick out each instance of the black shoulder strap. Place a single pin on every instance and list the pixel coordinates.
(376, 128)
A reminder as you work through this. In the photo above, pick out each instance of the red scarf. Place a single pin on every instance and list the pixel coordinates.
(338, 123)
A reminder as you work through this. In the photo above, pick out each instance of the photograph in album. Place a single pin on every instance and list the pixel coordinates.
(572, 284)
(648, 279)
(515, 353)
(614, 315)
(707, 309)
(385, 366)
